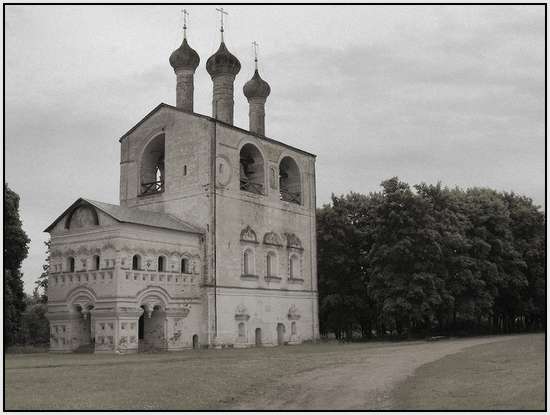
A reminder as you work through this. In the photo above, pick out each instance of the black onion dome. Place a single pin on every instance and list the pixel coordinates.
(184, 57)
(256, 87)
(223, 62)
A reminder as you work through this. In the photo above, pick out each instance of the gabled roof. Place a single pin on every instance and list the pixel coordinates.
(261, 137)
(132, 215)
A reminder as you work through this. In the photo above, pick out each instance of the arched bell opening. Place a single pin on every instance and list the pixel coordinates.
(152, 167)
(251, 170)
(290, 186)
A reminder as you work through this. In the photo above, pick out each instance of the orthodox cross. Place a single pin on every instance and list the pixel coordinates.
(185, 14)
(222, 12)
(255, 46)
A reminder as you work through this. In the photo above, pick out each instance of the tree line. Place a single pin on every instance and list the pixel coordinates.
(426, 260)
(403, 262)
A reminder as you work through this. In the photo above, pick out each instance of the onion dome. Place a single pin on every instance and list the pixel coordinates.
(222, 62)
(256, 87)
(184, 57)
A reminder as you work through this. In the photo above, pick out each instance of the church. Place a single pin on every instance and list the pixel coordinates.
(213, 243)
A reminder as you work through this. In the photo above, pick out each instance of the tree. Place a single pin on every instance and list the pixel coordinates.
(343, 240)
(413, 260)
(41, 284)
(16, 249)
(403, 262)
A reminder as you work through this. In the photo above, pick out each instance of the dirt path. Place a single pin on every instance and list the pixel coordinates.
(366, 384)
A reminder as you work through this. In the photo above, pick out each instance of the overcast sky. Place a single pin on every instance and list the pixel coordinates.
(427, 93)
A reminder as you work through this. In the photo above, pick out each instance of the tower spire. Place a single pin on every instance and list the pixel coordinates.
(185, 14)
(222, 12)
(255, 46)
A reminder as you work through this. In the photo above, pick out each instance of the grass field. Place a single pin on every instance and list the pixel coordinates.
(293, 377)
(491, 376)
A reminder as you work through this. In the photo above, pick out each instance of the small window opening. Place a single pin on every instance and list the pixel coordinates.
(97, 262)
(185, 266)
(136, 262)
(70, 264)
(160, 265)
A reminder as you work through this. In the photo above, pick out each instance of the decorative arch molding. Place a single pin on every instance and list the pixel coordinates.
(292, 241)
(248, 235)
(145, 143)
(108, 246)
(82, 215)
(285, 154)
(293, 313)
(82, 296)
(241, 313)
(83, 250)
(255, 143)
(157, 295)
(272, 238)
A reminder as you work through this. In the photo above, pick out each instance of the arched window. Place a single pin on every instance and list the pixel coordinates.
(290, 186)
(241, 329)
(251, 169)
(271, 260)
(161, 264)
(185, 266)
(70, 264)
(136, 262)
(152, 167)
(97, 262)
(293, 328)
(248, 262)
(294, 266)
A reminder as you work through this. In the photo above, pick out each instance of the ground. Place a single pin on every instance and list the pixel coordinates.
(505, 372)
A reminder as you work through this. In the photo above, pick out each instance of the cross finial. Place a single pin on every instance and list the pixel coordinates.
(222, 12)
(255, 46)
(185, 14)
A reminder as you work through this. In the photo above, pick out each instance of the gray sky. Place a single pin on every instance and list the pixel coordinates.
(426, 93)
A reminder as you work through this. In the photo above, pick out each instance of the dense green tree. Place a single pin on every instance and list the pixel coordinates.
(416, 260)
(343, 238)
(15, 251)
(404, 258)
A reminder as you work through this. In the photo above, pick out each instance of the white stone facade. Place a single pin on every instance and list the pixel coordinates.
(213, 244)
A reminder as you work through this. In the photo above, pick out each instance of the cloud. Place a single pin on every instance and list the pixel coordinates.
(425, 93)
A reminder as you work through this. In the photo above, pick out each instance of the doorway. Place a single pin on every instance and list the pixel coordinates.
(141, 324)
(195, 342)
(258, 334)
(280, 334)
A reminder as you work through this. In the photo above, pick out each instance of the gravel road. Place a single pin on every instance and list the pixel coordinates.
(365, 384)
